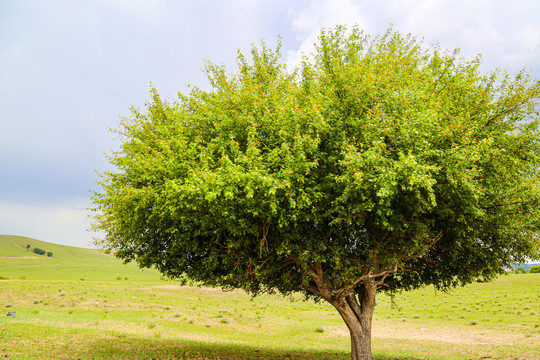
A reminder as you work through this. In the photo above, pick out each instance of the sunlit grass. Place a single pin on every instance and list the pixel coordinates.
(170, 319)
(106, 318)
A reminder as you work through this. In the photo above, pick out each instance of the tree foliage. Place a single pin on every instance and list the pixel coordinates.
(380, 164)
(39, 251)
(535, 269)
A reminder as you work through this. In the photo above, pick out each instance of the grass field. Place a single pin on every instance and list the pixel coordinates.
(119, 312)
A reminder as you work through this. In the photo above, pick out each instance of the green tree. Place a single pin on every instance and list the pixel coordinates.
(379, 165)
(535, 269)
(39, 251)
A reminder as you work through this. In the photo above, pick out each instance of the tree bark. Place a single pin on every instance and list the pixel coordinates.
(357, 312)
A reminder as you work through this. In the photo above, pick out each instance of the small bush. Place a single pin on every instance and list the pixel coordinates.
(49, 254)
(319, 329)
(8, 305)
(535, 269)
(152, 325)
(474, 322)
(39, 251)
(225, 320)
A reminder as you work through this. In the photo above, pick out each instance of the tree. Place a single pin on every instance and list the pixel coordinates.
(535, 269)
(39, 251)
(379, 165)
(49, 254)
(28, 247)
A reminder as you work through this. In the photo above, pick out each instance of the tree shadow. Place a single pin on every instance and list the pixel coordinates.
(131, 347)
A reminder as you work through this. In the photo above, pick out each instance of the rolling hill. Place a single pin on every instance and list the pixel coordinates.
(67, 263)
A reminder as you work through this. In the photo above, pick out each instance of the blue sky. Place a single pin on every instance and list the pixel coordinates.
(70, 69)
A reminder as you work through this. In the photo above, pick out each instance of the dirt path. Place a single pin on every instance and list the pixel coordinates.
(443, 334)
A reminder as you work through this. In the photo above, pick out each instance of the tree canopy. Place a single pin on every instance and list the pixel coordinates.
(378, 164)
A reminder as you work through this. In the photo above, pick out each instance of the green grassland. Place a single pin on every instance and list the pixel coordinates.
(67, 262)
(119, 312)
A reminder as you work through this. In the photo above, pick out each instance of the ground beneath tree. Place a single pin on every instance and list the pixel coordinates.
(472, 335)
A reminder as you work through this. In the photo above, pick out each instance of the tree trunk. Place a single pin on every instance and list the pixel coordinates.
(358, 314)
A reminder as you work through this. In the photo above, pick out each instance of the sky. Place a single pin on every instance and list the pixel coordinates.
(69, 70)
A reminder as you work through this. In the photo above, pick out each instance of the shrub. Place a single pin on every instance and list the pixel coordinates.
(535, 269)
(49, 254)
(39, 251)
(319, 329)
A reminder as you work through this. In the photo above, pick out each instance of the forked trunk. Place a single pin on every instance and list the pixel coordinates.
(358, 314)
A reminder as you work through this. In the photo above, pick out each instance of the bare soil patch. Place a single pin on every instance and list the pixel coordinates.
(442, 334)
(170, 287)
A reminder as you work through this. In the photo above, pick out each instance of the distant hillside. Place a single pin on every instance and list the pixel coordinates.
(524, 266)
(67, 262)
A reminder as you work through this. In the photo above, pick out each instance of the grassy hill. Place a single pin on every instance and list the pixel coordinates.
(67, 263)
(60, 316)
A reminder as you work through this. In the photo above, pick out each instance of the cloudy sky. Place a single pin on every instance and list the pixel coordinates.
(70, 69)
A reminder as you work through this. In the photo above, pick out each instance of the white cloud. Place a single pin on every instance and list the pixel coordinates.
(523, 46)
(507, 34)
(329, 13)
(64, 224)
